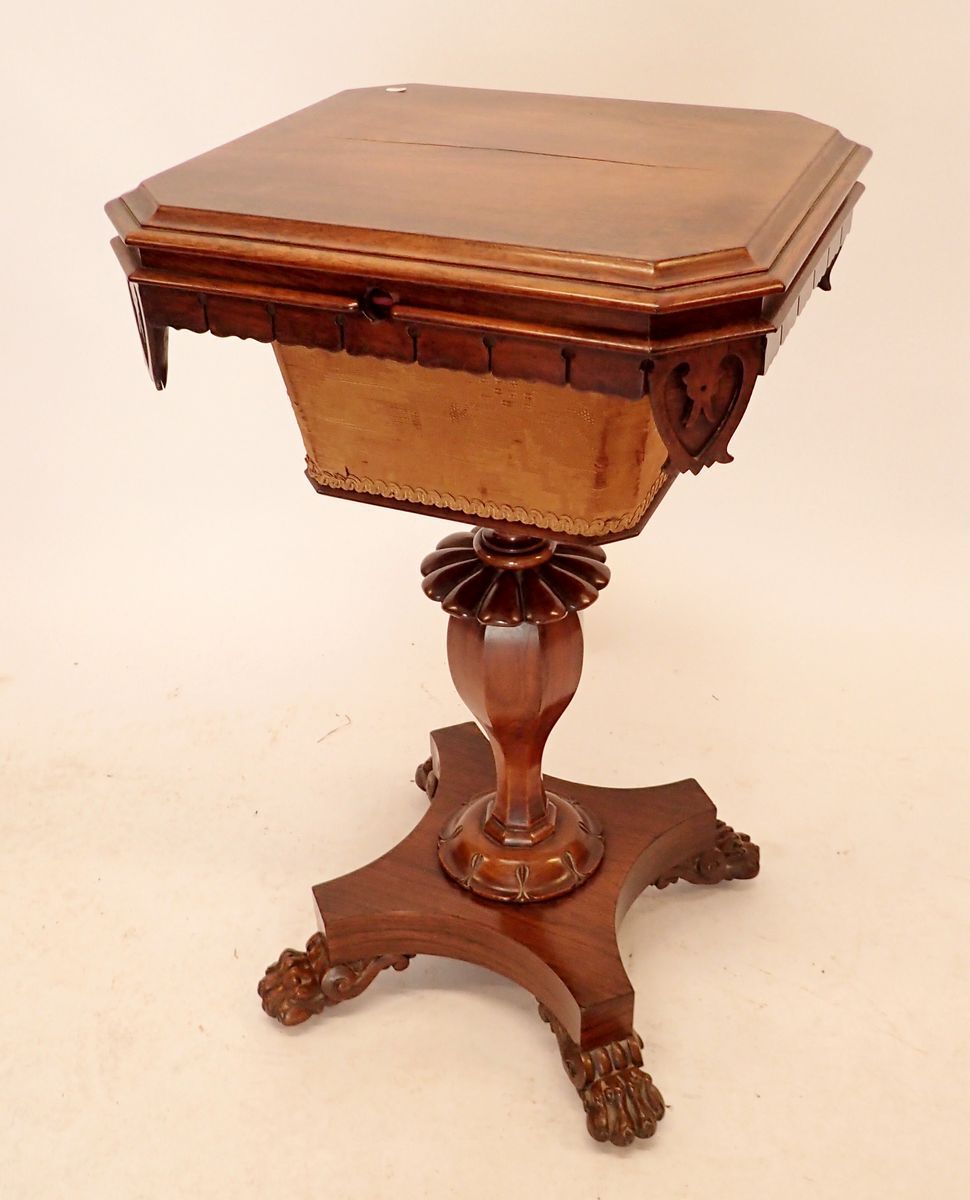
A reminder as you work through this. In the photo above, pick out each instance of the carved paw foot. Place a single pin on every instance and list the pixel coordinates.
(620, 1098)
(426, 779)
(301, 984)
(733, 856)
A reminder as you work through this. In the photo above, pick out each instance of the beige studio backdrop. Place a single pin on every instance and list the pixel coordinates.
(203, 665)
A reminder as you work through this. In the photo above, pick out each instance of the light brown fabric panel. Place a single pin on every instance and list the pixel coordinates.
(569, 459)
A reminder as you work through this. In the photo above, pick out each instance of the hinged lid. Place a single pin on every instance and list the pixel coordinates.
(649, 207)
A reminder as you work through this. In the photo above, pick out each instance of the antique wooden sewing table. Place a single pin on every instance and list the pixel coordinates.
(529, 313)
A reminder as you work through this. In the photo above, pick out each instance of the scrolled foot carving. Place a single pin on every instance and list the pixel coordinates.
(301, 984)
(426, 778)
(733, 856)
(620, 1098)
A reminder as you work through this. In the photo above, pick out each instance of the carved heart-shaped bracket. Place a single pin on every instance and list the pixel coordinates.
(699, 397)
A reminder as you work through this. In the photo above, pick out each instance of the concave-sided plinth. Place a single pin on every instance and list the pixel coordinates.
(563, 951)
(519, 872)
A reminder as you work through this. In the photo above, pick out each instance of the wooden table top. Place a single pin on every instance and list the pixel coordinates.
(657, 205)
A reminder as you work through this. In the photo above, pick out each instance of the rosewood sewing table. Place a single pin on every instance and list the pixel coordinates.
(532, 314)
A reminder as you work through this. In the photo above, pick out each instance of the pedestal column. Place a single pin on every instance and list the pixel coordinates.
(515, 649)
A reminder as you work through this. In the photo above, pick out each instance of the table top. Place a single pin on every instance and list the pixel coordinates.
(673, 204)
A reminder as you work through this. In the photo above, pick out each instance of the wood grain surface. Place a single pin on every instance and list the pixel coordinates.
(563, 951)
(608, 191)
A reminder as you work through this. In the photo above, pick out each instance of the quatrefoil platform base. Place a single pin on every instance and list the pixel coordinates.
(562, 950)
